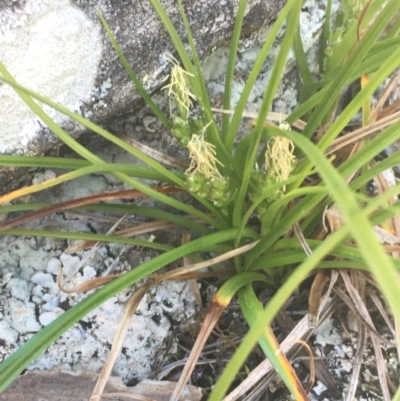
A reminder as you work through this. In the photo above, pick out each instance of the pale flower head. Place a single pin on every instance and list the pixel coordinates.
(202, 156)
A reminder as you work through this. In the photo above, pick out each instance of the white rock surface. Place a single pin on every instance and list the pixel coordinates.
(46, 318)
(19, 288)
(327, 334)
(22, 316)
(58, 54)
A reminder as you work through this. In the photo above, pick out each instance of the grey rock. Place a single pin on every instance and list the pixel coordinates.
(60, 49)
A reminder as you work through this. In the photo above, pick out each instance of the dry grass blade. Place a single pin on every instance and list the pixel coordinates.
(392, 248)
(356, 288)
(334, 277)
(300, 236)
(176, 273)
(95, 246)
(86, 286)
(311, 380)
(397, 328)
(362, 133)
(258, 390)
(155, 154)
(377, 302)
(130, 310)
(316, 290)
(347, 300)
(335, 219)
(385, 237)
(139, 229)
(272, 116)
(360, 283)
(355, 374)
(192, 282)
(389, 110)
(381, 368)
(301, 331)
(212, 317)
(86, 200)
(376, 112)
(314, 298)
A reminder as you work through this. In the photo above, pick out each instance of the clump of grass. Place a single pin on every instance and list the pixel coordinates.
(283, 174)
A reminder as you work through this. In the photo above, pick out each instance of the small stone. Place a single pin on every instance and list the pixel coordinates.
(89, 272)
(46, 318)
(69, 262)
(37, 290)
(41, 177)
(327, 334)
(19, 288)
(23, 316)
(36, 300)
(44, 279)
(319, 388)
(51, 302)
(7, 333)
(53, 266)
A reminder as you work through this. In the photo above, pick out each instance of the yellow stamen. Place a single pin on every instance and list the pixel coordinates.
(279, 156)
(178, 88)
(202, 155)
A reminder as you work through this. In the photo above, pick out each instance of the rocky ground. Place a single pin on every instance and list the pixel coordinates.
(30, 298)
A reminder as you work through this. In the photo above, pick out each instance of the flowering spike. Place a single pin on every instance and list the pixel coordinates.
(178, 89)
(202, 155)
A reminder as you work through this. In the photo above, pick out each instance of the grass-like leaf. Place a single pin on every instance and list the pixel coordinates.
(156, 110)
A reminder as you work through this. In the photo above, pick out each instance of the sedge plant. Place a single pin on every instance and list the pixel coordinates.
(286, 171)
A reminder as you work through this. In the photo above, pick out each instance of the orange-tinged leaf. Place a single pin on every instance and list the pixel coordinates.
(297, 389)
(218, 304)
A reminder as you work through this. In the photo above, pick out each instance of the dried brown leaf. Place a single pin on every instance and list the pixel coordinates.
(301, 331)
(116, 347)
(155, 154)
(138, 229)
(176, 273)
(377, 111)
(87, 285)
(272, 116)
(355, 374)
(192, 282)
(314, 298)
(210, 321)
(375, 299)
(362, 133)
(348, 301)
(86, 200)
(335, 220)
